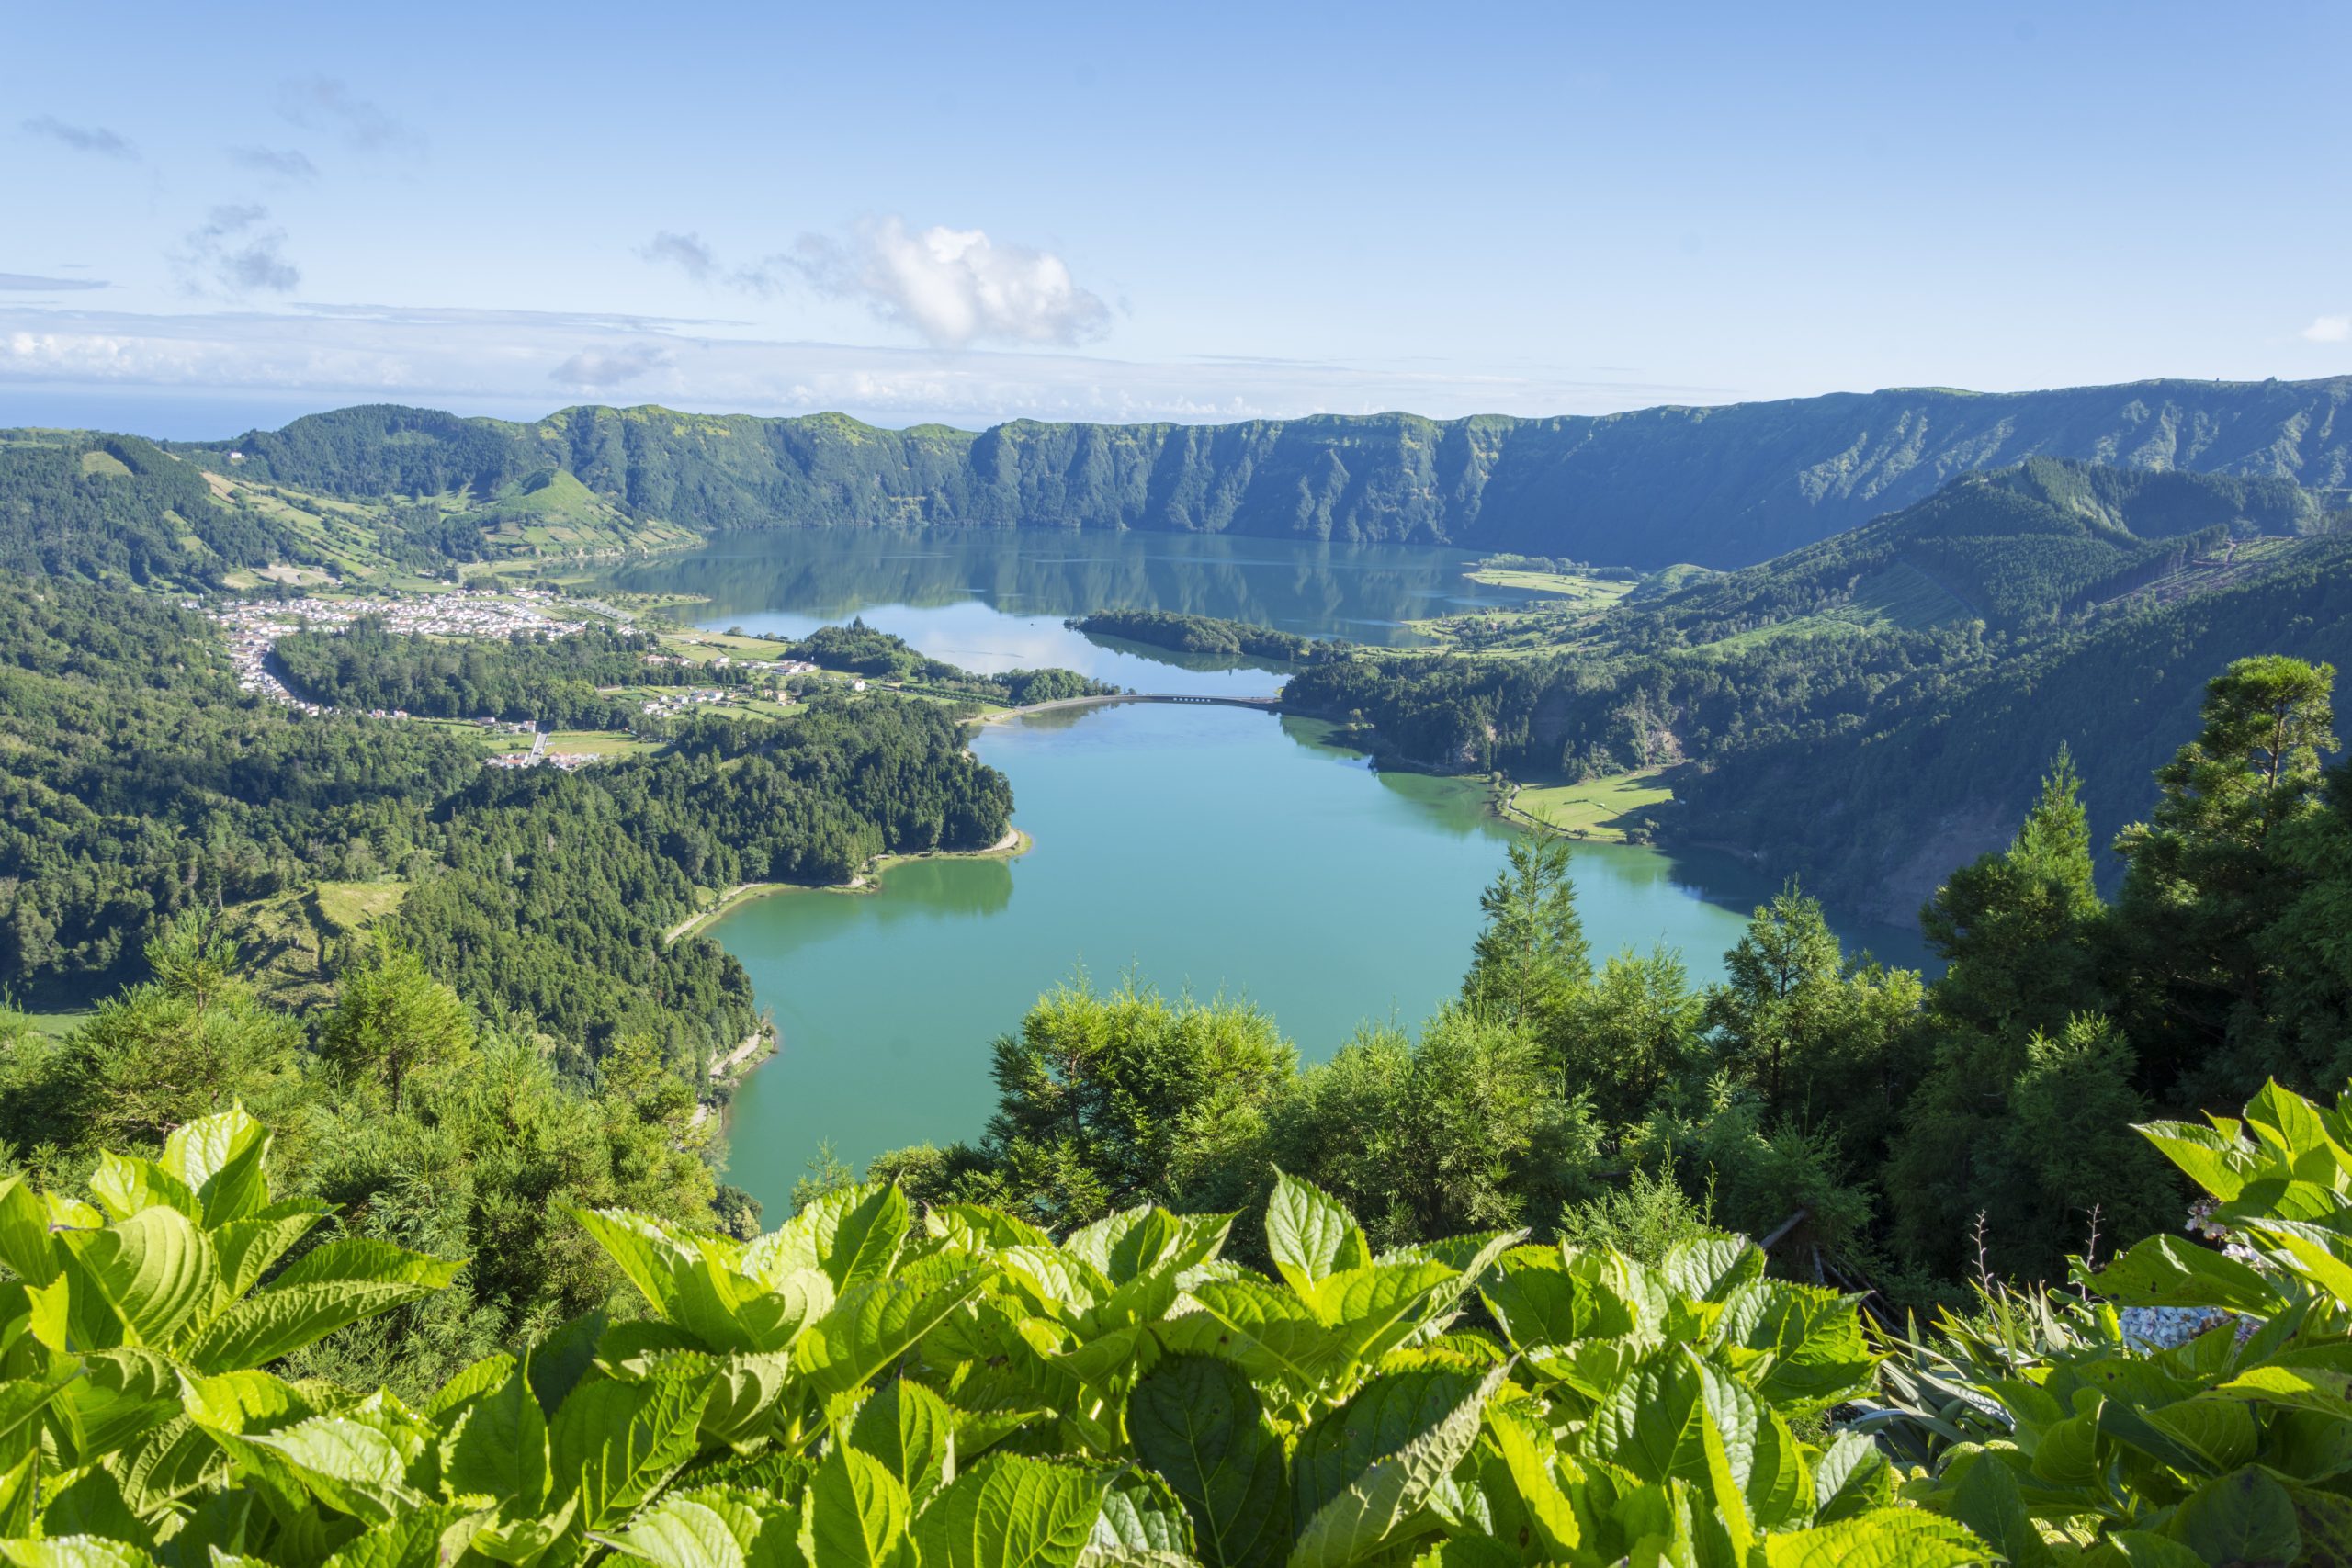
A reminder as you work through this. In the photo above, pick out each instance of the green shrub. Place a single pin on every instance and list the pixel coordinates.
(862, 1387)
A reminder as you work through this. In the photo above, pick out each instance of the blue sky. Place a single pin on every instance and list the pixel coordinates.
(1200, 213)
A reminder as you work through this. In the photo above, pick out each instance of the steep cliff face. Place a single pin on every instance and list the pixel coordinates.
(1715, 486)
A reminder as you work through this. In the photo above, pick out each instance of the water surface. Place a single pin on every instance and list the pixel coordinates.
(995, 599)
(1205, 848)
(1213, 849)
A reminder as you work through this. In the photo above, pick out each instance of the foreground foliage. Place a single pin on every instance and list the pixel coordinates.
(862, 1387)
(2053, 1420)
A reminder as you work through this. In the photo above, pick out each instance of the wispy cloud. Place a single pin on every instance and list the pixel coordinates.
(956, 287)
(691, 254)
(28, 282)
(93, 139)
(278, 163)
(327, 104)
(2330, 329)
(236, 251)
(594, 369)
(499, 361)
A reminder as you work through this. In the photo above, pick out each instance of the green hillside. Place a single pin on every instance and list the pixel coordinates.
(1940, 774)
(1722, 487)
(2025, 544)
(1871, 710)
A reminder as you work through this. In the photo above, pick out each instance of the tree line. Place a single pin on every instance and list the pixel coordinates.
(1893, 1128)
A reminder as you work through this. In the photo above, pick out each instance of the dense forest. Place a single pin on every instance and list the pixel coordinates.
(1865, 711)
(1716, 486)
(1474, 1292)
(552, 681)
(142, 784)
(79, 505)
(1204, 634)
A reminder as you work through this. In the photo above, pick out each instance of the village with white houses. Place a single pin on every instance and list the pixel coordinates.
(254, 626)
(251, 628)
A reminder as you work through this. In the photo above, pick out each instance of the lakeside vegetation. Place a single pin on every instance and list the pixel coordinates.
(1185, 1295)
(1613, 809)
(1865, 711)
(1206, 634)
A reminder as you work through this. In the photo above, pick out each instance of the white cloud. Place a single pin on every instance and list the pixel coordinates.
(956, 287)
(593, 369)
(235, 252)
(94, 139)
(327, 104)
(2330, 329)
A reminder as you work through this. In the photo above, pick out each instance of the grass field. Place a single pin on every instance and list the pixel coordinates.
(1574, 587)
(601, 743)
(1597, 808)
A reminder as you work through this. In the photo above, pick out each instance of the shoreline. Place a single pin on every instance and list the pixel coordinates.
(763, 1042)
(867, 879)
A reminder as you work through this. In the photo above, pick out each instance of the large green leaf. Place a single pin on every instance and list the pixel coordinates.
(873, 1324)
(411, 1541)
(852, 1236)
(1372, 1311)
(351, 1466)
(1538, 1302)
(614, 1444)
(248, 1246)
(1401, 1476)
(496, 1447)
(1814, 1338)
(2243, 1517)
(1269, 1332)
(1709, 1268)
(221, 1158)
(328, 1288)
(1310, 1234)
(26, 1246)
(154, 1270)
(1653, 1423)
(1143, 1525)
(122, 1393)
(1886, 1537)
(2166, 1270)
(1196, 1421)
(1551, 1517)
(913, 1431)
(856, 1513)
(91, 1503)
(1851, 1477)
(679, 1534)
(124, 1186)
(2219, 1164)
(1012, 1512)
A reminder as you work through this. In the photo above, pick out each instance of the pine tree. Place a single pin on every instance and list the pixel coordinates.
(2207, 878)
(1531, 962)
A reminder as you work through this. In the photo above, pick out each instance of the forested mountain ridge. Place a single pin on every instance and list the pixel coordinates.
(2009, 547)
(1865, 712)
(1724, 486)
(1879, 819)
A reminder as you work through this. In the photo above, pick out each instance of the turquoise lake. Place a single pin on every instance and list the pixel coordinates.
(1200, 849)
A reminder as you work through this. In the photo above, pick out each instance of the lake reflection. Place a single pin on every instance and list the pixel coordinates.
(995, 599)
